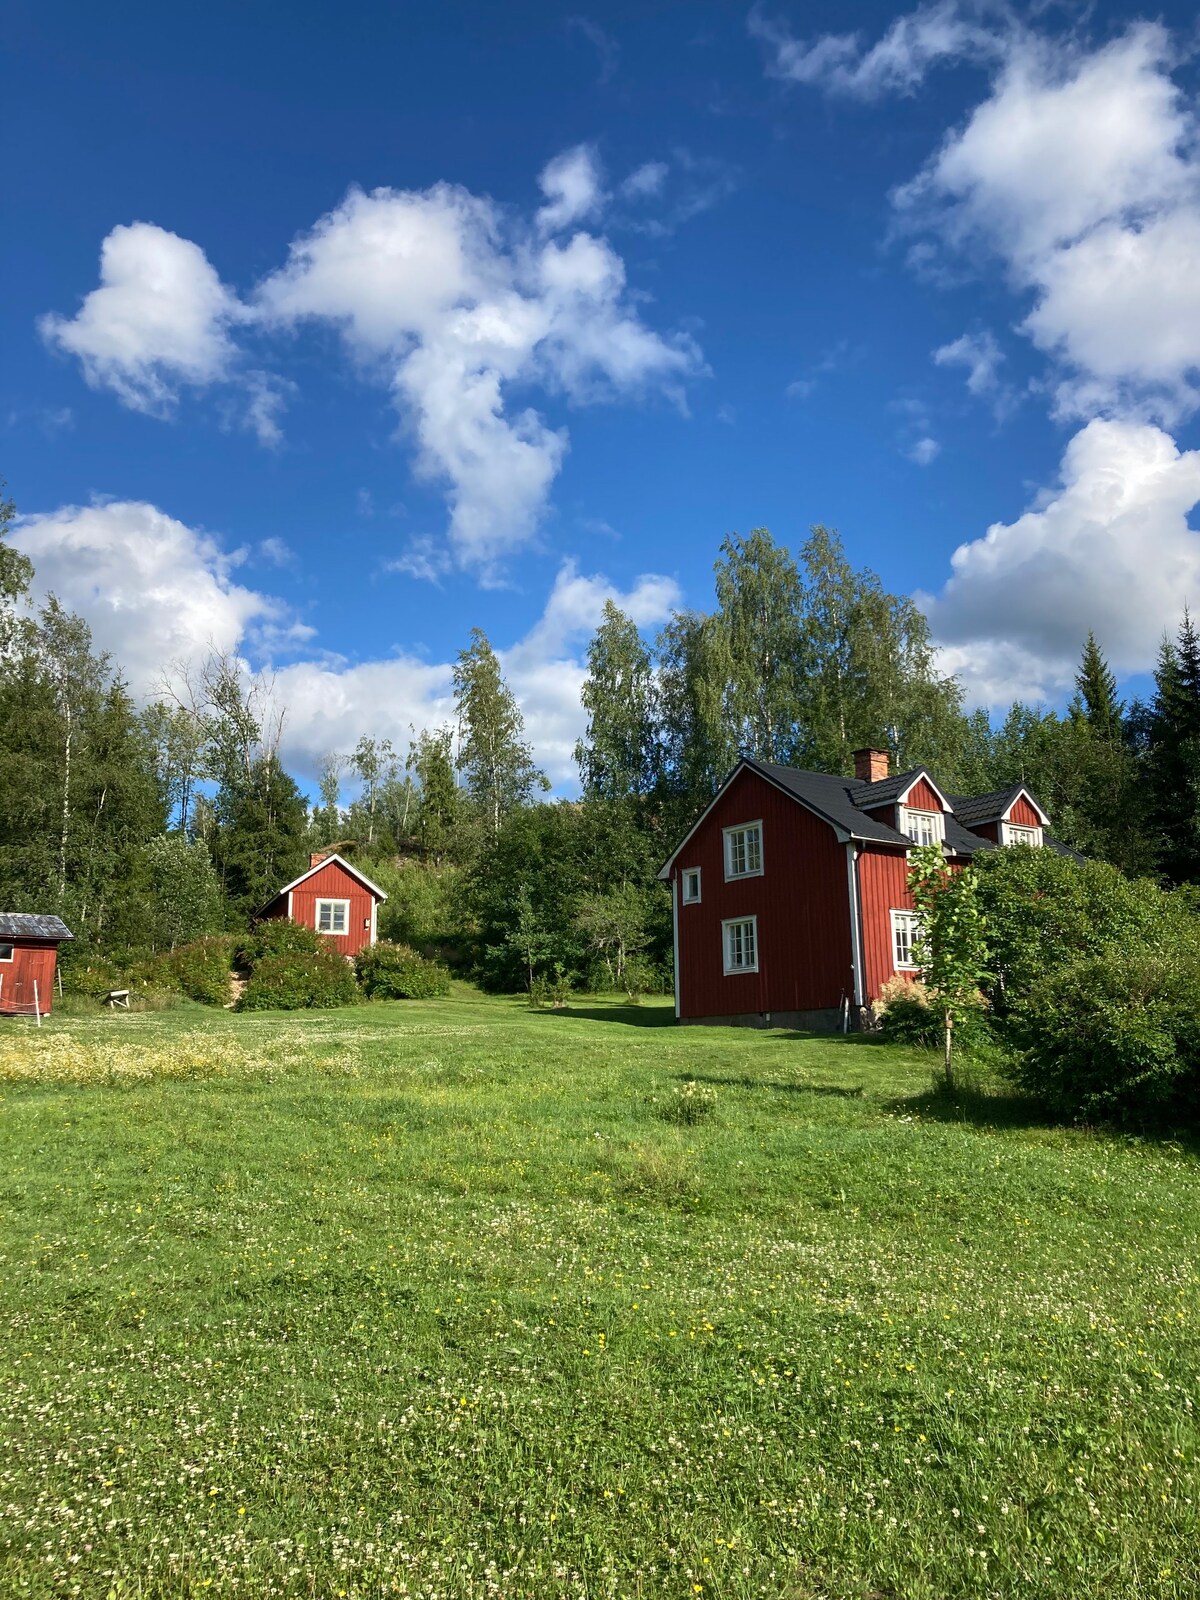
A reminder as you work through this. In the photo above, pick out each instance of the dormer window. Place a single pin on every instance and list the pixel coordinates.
(1017, 833)
(923, 827)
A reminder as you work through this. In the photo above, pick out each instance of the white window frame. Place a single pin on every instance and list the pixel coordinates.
(732, 971)
(5, 944)
(911, 824)
(911, 921)
(331, 932)
(685, 878)
(728, 835)
(1019, 833)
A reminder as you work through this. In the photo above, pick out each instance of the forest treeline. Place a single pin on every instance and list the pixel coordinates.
(147, 826)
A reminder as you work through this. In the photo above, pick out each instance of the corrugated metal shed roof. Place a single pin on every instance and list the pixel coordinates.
(24, 925)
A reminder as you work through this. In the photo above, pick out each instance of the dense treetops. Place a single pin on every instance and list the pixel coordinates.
(145, 828)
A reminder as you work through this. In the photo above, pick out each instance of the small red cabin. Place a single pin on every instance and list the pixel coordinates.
(28, 958)
(334, 899)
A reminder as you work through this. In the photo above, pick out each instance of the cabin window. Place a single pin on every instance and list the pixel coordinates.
(922, 827)
(6, 952)
(1015, 833)
(741, 945)
(743, 850)
(691, 886)
(333, 916)
(906, 931)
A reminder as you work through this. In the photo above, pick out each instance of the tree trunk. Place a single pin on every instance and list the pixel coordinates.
(949, 1060)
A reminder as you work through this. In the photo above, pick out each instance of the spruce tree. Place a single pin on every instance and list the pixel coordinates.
(1097, 689)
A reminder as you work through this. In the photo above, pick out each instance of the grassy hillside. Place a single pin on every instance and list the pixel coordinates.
(432, 1300)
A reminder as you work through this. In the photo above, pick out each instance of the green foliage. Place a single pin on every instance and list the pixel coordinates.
(1116, 1037)
(621, 755)
(299, 980)
(260, 838)
(423, 905)
(201, 970)
(1044, 911)
(183, 891)
(89, 975)
(276, 936)
(388, 971)
(495, 761)
(951, 950)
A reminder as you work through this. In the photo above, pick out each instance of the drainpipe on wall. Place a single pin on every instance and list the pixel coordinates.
(675, 937)
(856, 948)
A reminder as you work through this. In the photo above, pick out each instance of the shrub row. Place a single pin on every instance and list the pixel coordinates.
(395, 972)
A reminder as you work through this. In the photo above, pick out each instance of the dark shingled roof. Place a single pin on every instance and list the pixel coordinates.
(830, 797)
(972, 808)
(23, 925)
(843, 803)
(883, 790)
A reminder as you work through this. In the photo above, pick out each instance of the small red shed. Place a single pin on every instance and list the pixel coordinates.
(28, 958)
(334, 899)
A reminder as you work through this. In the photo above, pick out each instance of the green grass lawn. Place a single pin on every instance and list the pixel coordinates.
(431, 1300)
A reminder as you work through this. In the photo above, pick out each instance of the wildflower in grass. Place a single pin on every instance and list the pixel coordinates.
(692, 1102)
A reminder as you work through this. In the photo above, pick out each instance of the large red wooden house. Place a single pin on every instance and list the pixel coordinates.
(790, 898)
(333, 898)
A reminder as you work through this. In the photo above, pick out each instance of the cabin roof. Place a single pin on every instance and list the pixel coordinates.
(971, 809)
(24, 925)
(327, 861)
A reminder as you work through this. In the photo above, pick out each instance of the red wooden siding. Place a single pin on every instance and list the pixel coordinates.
(32, 963)
(922, 798)
(883, 879)
(1023, 814)
(987, 830)
(333, 882)
(802, 903)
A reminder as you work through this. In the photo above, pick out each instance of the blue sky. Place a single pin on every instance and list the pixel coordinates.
(411, 319)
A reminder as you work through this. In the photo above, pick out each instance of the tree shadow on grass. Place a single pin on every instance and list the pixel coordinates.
(628, 1016)
(979, 1104)
(834, 1090)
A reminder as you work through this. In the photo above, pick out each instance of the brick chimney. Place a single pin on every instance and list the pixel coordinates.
(870, 765)
(318, 856)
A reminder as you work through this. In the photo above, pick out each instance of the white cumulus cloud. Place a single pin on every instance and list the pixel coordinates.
(159, 594)
(1110, 549)
(445, 299)
(160, 318)
(153, 590)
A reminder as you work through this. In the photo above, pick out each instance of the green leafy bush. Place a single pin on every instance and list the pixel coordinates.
(93, 976)
(1043, 911)
(277, 936)
(396, 972)
(299, 980)
(199, 970)
(1114, 1037)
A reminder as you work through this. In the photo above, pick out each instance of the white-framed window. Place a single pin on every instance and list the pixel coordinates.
(333, 917)
(743, 850)
(740, 936)
(6, 952)
(922, 827)
(691, 886)
(906, 930)
(1017, 833)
